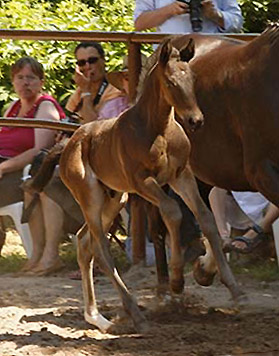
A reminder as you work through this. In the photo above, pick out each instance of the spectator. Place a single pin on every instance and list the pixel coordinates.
(256, 234)
(93, 99)
(18, 146)
(244, 211)
(170, 16)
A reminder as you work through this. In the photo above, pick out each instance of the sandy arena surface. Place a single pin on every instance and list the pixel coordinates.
(44, 316)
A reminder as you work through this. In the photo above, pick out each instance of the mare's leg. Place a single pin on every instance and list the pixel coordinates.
(171, 215)
(157, 233)
(99, 211)
(137, 228)
(186, 186)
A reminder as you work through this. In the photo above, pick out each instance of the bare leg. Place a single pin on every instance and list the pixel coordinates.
(217, 199)
(271, 215)
(37, 229)
(53, 222)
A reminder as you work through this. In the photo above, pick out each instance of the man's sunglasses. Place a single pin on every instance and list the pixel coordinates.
(90, 60)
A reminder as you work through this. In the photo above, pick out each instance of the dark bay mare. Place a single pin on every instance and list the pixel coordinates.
(237, 89)
(139, 152)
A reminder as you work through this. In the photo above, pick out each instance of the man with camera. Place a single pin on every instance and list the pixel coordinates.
(186, 16)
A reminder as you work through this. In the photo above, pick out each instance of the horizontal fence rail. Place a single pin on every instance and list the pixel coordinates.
(39, 123)
(132, 39)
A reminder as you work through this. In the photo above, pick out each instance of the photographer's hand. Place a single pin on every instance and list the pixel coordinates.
(154, 18)
(210, 12)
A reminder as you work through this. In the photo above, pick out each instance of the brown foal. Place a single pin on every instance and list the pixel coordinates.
(139, 152)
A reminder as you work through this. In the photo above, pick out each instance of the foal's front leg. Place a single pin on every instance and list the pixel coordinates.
(185, 186)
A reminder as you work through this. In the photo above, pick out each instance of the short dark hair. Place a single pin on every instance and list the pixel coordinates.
(36, 67)
(93, 44)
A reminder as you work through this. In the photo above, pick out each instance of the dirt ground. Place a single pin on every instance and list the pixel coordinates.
(44, 316)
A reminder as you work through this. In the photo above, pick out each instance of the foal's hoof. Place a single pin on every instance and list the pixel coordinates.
(202, 277)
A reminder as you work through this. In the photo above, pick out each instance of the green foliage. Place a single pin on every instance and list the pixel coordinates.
(57, 56)
(257, 14)
(262, 270)
(87, 15)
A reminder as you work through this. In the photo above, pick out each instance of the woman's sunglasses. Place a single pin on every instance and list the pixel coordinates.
(90, 60)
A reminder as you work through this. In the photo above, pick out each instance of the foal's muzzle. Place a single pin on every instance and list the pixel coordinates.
(195, 122)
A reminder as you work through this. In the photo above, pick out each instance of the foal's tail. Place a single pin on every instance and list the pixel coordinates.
(44, 174)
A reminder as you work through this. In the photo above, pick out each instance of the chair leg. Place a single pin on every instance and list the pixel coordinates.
(275, 227)
(2, 233)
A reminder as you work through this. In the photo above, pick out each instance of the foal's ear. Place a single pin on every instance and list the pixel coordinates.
(188, 51)
(165, 53)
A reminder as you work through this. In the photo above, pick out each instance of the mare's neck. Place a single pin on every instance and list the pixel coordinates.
(155, 111)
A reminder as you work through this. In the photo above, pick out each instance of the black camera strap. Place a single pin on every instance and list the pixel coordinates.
(100, 92)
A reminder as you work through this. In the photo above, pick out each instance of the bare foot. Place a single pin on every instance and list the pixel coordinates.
(45, 270)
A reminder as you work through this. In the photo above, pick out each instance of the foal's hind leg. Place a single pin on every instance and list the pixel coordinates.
(185, 185)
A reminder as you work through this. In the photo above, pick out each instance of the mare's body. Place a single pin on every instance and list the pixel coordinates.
(237, 89)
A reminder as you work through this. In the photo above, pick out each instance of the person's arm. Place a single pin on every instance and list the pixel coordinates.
(146, 18)
(43, 139)
(228, 18)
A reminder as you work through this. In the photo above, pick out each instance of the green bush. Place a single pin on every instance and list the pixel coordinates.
(57, 56)
(96, 15)
(258, 14)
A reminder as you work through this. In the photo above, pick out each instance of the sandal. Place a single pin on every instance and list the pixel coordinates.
(251, 243)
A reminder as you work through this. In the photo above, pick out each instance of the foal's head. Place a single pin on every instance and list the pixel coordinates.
(176, 81)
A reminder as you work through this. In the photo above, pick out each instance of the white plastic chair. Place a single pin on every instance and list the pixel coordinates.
(15, 212)
(275, 228)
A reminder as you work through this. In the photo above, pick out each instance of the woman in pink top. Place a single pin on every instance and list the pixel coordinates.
(18, 146)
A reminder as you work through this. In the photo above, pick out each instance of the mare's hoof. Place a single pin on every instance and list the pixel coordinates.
(177, 286)
(202, 277)
(163, 290)
(143, 327)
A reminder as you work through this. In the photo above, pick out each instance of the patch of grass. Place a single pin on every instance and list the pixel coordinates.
(11, 263)
(262, 270)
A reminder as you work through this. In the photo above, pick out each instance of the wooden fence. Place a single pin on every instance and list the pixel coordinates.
(133, 41)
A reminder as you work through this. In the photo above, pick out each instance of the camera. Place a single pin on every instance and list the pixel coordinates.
(195, 13)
